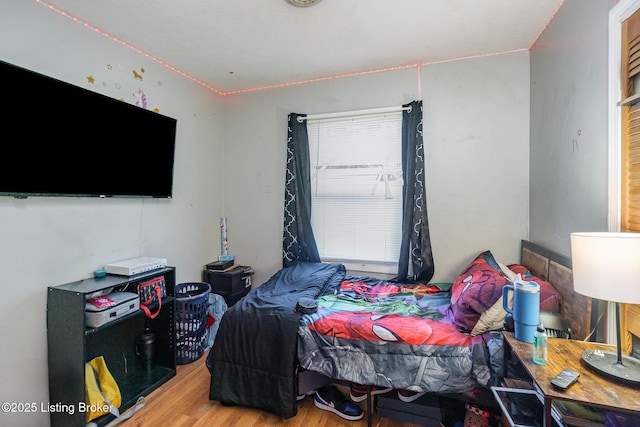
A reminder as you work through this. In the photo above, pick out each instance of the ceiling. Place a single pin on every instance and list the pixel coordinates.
(233, 46)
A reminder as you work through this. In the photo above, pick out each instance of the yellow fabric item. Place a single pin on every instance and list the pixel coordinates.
(102, 391)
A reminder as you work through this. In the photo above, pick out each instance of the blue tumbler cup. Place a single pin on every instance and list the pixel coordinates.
(526, 308)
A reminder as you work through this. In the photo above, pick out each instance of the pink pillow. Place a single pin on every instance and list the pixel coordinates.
(550, 298)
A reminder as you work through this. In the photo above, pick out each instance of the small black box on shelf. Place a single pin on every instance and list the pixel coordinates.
(219, 265)
(232, 284)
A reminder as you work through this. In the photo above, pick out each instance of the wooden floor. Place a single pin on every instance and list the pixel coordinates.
(184, 401)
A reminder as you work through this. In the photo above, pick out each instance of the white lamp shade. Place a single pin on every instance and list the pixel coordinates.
(607, 266)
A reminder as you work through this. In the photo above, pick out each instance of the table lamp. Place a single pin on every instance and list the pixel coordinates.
(607, 266)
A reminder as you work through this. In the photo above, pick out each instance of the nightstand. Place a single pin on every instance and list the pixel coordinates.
(232, 284)
(590, 390)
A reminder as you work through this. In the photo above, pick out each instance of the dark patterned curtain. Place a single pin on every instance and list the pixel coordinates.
(416, 259)
(298, 243)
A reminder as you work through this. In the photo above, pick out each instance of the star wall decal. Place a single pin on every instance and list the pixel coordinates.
(90, 79)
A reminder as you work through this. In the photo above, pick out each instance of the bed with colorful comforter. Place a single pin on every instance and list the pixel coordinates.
(399, 336)
(438, 337)
(420, 337)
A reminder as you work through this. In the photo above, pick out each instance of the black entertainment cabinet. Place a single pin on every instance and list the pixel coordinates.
(71, 343)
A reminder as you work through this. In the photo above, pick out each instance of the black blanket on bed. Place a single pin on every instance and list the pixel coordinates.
(254, 357)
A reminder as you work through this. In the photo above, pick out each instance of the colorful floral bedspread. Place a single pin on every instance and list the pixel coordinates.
(387, 334)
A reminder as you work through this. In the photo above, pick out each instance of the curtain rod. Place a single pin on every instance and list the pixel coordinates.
(370, 111)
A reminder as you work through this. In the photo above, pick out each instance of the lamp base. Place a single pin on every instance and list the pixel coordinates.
(606, 363)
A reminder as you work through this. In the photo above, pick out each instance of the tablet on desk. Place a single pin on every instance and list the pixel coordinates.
(521, 407)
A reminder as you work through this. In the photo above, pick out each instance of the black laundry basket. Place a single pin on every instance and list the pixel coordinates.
(192, 302)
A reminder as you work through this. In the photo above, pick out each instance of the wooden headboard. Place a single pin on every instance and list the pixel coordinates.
(556, 269)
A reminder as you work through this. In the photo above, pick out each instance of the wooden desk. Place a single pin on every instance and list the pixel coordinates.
(591, 389)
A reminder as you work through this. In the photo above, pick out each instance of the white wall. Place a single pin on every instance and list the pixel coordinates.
(476, 135)
(49, 241)
(569, 133)
(476, 130)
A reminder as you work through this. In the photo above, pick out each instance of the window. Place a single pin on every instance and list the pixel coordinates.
(356, 183)
(624, 116)
(630, 150)
(624, 132)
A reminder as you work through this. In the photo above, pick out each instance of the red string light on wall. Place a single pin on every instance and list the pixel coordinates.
(544, 27)
(130, 46)
(290, 83)
(363, 73)
(320, 79)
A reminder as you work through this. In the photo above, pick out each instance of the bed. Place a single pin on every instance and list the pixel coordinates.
(441, 338)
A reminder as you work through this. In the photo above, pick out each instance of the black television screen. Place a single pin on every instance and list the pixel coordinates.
(63, 140)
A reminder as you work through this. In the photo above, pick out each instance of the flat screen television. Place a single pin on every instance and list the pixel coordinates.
(63, 140)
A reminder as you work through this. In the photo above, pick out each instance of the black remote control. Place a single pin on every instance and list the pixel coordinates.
(564, 379)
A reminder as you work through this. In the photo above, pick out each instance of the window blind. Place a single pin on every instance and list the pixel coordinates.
(356, 181)
(631, 170)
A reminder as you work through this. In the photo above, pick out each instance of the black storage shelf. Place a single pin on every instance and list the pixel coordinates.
(71, 343)
(90, 330)
(138, 384)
